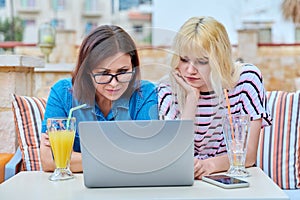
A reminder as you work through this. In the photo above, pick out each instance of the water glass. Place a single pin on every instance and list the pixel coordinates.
(236, 133)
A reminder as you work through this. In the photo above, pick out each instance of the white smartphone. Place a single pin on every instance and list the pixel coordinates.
(225, 181)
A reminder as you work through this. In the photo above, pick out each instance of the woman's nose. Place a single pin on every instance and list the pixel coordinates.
(114, 81)
(191, 68)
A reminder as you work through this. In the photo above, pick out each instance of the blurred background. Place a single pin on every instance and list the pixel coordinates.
(39, 40)
(20, 19)
(265, 33)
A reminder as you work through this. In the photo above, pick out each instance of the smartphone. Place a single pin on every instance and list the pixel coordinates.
(225, 181)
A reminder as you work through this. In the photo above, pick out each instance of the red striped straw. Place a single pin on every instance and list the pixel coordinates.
(229, 113)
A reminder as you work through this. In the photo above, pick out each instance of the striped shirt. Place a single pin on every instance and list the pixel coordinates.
(249, 96)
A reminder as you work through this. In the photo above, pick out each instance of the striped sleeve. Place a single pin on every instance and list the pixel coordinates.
(168, 108)
(250, 94)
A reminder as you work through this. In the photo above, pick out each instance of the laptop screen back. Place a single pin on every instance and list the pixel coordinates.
(137, 153)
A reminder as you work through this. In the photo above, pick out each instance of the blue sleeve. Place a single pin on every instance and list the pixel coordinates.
(59, 101)
(147, 102)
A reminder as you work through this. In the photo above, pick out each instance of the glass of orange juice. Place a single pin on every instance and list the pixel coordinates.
(61, 133)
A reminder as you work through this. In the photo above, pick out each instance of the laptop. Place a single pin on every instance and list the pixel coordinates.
(137, 153)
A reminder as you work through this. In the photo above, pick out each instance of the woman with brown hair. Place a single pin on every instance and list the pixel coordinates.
(107, 79)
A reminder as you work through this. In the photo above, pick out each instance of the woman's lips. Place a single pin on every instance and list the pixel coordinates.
(113, 91)
(191, 79)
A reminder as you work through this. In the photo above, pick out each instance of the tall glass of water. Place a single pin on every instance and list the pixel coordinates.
(236, 133)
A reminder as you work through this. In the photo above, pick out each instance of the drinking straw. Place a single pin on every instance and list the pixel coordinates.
(229, 113)
(71, 111)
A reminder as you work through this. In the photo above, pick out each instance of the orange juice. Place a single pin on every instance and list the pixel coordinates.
(62, 145)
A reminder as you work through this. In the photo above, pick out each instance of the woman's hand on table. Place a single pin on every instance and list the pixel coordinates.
(201, 168)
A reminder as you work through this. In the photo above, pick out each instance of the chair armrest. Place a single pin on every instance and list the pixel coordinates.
(293, 194)
(13, 165)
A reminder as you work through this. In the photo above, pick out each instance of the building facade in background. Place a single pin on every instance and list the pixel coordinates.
(152, 21)
(79, 16)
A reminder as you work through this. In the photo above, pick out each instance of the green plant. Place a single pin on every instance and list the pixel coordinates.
(12, 34)
(148, 39)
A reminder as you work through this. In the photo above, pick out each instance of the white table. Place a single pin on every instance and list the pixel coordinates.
(35, 185)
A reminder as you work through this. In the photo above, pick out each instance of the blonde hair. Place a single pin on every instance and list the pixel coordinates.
(205, 37)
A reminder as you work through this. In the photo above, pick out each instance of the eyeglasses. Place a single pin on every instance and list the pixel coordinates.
(103, 78)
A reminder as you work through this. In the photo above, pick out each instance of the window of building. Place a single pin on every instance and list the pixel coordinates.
(2, 3)
(28, 3)
(91, 5)
(297, 34)
(29, 22)
(145, 1)
(264, 35)
(30, 33)
(89, 26)
(58, 23)
(138, 28)
(58, 5)
(264, 30)
(127, 4)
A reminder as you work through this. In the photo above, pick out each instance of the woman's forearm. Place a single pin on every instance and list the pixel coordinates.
(46, 155)
(255, 129)
(76, 162)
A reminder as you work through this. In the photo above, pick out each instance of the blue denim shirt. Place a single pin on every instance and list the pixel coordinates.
(142, 105)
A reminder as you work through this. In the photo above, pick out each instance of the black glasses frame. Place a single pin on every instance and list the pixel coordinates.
(113, 76)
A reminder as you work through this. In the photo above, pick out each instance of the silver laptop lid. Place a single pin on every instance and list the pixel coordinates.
(137, 153)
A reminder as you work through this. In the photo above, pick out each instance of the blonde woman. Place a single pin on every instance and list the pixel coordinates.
(203, 68)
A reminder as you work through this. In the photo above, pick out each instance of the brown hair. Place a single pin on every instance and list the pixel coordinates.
(103, 42)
